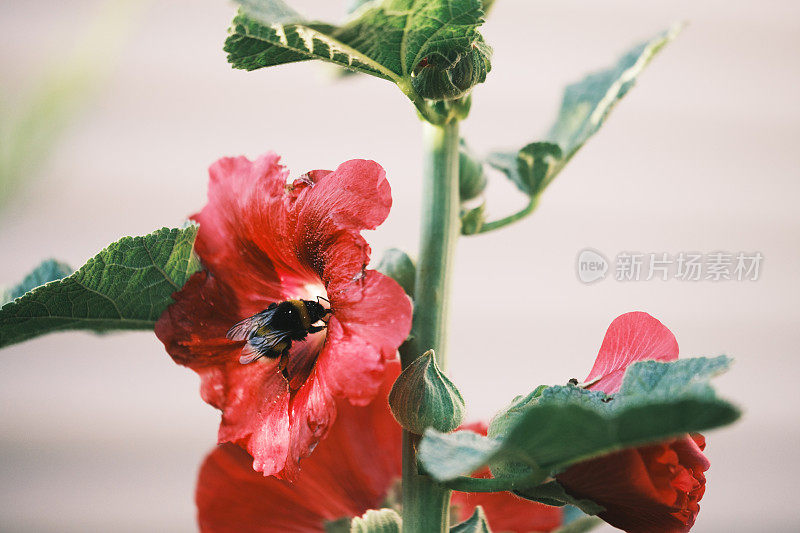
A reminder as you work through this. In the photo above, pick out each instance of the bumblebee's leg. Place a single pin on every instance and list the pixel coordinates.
(316, 329)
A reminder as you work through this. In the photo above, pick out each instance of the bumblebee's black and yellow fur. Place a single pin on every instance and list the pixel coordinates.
(271, 332)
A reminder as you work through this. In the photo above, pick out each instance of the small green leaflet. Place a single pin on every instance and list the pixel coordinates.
(126, 286)
(377, 521)
(585, 106)
(388, 39)
(543, 434)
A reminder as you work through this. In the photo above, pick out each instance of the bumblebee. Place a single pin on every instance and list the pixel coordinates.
(271, 332)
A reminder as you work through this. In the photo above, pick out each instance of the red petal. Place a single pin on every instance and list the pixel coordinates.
(690, 450)
(379, 312)
(343, 478)
(352, 367)
(312, 412)
(238, 226)
(363, 334)
(254, 398)
(327, 217)
(193, 329)
(354, 196)
(631, 337)
(648, 489)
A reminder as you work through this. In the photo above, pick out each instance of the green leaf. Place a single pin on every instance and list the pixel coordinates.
(586, 104)
(584, 108)
(530, 168)
(400, 267)
(126, 286)
(430, 48)
(539, 436)
(48, 270)
(477, 523)
(447, 456)
(382, 521)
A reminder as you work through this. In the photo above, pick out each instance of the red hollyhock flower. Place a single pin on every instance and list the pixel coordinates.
(263, 241)
(354, 469)
(652, 489)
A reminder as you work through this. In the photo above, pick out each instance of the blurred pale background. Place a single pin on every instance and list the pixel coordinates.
(106, 433)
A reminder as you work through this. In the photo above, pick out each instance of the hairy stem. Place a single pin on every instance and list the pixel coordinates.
(426, 504)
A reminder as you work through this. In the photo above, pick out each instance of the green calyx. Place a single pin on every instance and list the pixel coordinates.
(423, 397)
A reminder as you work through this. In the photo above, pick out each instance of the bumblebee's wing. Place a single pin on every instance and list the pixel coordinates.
(271, 343)
(243, 330)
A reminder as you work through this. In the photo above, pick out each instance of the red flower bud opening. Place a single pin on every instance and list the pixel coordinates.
(650, 489)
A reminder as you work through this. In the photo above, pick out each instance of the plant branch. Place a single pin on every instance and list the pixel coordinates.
(533, 203)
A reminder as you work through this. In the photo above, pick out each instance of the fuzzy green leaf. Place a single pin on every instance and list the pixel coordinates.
(477, 523)
(126, 286)
(584, 108)
(540, 435)
(377, 521)
(587, 103)
(428, 47)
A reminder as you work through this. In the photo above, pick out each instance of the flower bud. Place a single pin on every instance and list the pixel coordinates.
(423, 397)
(471, 178)
(377, 521)
(451, 74)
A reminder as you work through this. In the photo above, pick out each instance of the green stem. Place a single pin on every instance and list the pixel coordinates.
(510, 219)
(425, 111)
(425, 503)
